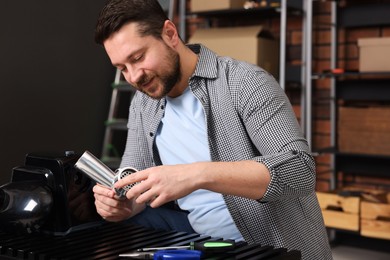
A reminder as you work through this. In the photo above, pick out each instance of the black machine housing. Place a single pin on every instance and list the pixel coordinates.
(64, 195)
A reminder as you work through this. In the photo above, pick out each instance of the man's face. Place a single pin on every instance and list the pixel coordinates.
(148, 64)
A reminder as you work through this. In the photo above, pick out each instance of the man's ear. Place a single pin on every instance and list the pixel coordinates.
(169, 33)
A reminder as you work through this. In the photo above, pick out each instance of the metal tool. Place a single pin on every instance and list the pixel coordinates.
(206, 247)
(165, 254)
(102, 174)
(95, 169)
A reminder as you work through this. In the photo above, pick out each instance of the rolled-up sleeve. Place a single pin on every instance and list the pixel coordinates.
(274, 130)
(292, 175)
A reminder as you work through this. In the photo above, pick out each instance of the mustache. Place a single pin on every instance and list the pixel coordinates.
(144, 79)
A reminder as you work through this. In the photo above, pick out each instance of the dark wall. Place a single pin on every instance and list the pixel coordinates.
(55, 81)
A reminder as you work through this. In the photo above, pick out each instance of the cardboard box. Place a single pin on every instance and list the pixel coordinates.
(375, 219)
(252, 44)
(364, 130)
(210, 5)
(340, 212)
(374, 54)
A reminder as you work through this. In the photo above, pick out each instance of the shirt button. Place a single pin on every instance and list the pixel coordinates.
(162, 107)
(151, 134)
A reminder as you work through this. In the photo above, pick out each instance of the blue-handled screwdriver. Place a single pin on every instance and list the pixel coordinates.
(165, 254)
(205, 246)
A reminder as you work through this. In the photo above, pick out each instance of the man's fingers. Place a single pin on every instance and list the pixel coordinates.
(130, 179)
(103, 190)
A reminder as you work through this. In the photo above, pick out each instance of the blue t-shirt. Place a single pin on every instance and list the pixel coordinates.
(182, 138)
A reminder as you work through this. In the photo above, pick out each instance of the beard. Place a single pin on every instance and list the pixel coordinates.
(168, 79)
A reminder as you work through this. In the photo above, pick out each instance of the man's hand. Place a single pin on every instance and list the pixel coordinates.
(112, 208)
(159, 185)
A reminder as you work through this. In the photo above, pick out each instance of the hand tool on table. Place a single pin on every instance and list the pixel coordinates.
(197, 248)
(205, 246)
(166, 254)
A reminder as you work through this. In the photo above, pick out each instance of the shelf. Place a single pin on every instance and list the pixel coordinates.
(353, 88)
(325, 150)
(123, 85)
(359, 89)
(294, 7)
(351, 74)
(293, 74)
(362, 15)
(262, 12)
(288, 74)
(353, 85)
(363, 164)
(117, 124)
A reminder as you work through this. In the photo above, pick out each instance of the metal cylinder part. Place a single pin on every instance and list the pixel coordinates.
(95, 169)
(101, 173)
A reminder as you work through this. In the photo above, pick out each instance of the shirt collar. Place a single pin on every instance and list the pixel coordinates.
(206, 66)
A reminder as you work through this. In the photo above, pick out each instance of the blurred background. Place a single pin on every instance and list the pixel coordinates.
(55, 81)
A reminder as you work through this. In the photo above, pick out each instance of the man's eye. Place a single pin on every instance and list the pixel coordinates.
(138, 58)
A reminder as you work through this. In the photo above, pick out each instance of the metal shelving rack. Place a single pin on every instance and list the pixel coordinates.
(294, 7)
(307, 93)
(354, 89)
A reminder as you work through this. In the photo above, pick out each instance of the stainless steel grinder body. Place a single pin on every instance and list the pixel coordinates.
(101, 173)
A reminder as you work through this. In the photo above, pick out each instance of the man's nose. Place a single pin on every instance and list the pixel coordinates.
(133, 75)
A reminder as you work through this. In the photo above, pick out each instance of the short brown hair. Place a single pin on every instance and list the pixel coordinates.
(147, 13)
